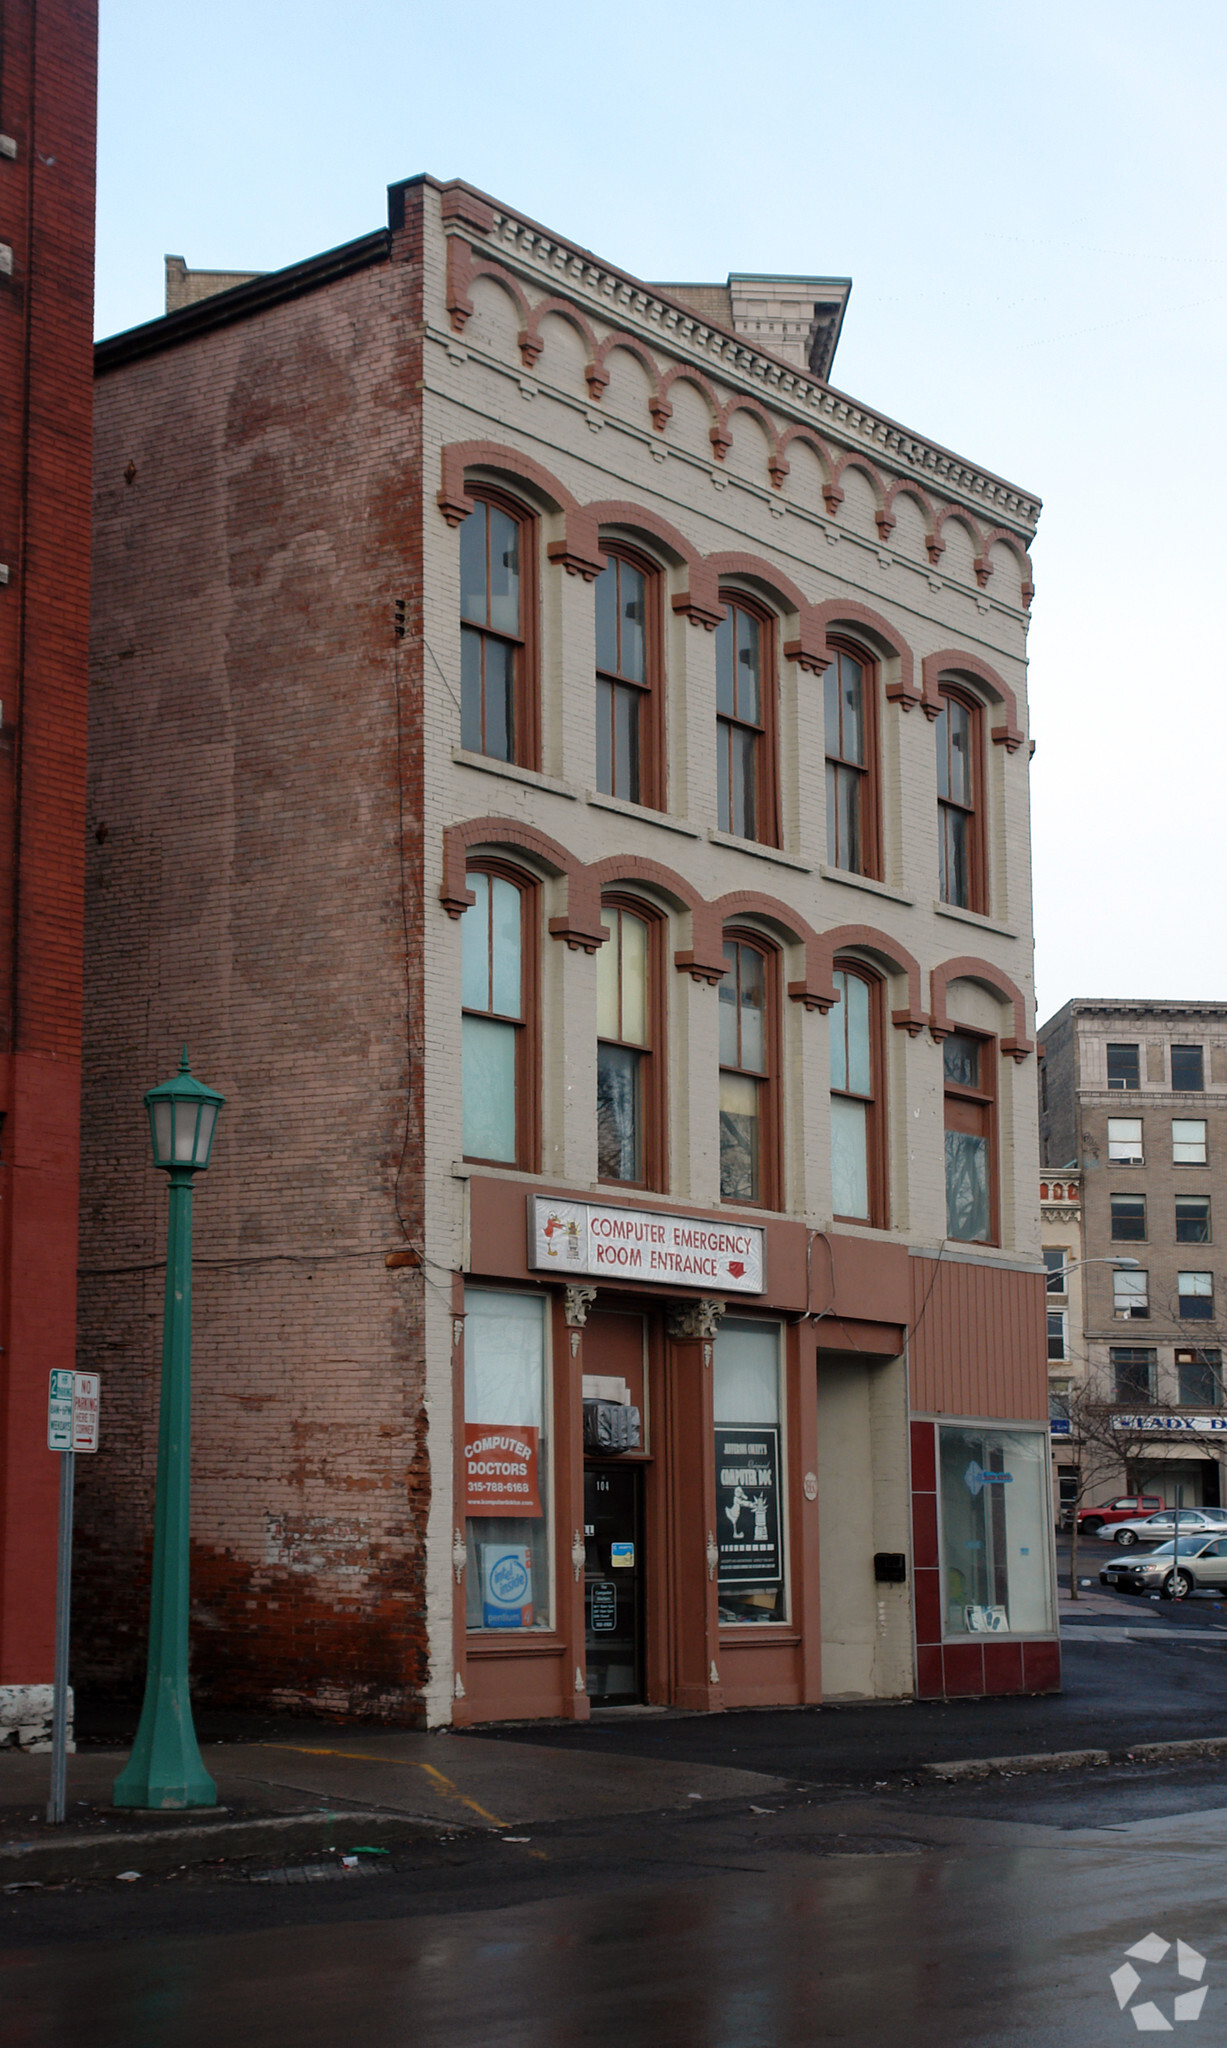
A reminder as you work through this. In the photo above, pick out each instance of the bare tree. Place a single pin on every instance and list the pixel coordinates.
(1105, 1438)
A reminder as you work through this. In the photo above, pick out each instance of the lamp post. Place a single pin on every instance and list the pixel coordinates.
(165, 1767)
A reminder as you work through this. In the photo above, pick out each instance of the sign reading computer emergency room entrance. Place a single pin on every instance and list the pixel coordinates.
(640, 1244)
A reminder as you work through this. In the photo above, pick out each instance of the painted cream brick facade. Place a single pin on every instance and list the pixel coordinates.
(281, 903)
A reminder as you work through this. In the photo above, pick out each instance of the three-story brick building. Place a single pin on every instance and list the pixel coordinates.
(564, 770)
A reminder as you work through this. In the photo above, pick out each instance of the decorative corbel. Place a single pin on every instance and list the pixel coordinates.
(688, 1320)
(460, 1555)
(713, 1554)
(578, 1554)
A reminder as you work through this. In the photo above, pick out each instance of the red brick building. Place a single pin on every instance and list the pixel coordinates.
(618, 1275)
(47, 101)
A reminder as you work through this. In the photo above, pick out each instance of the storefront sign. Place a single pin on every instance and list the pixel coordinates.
(748, 1506)
(506, 1586)
(976, 1477)
(500, 1470)
(640, 1244)
(1196, 1425)
(1059, 1426)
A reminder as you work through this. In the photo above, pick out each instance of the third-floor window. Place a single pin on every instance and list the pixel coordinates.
(745, 706)
(628, 741)
(960, 822)
(852, 835)
(494, 651)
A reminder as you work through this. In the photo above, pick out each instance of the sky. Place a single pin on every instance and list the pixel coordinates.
(1029, 201)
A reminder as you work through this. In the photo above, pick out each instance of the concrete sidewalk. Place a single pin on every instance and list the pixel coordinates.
(315, 1788)
(1138, 1676)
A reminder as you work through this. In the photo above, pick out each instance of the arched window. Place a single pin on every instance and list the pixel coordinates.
(960, 801)
(850, 693)
(497, 583)
(629, 750)
(630, 1064)
(858, 1151)
(749, 1107)
(497, 960)
(747, 793)
(968, 1062)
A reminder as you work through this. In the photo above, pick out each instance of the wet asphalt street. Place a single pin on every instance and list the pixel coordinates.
(836, 1906)
(916, 1925)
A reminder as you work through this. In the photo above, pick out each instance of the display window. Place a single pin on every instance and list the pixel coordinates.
(506, 1462)
(749, 1449)
(995, 1507)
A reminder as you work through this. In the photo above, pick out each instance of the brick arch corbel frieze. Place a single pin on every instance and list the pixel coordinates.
(832, 496)
(703, 959)
(453, 499)
(884, 519)
(1019, 552)
(842, 611)
(530, 339)
(684, 373)
(843, 938)
(907, 487)
(596, 374)
(815, 989)
(580, 926)
(986, 976)
(954, 661)
(721, 436)
(971, 527)
(809, 649)
(464, 266)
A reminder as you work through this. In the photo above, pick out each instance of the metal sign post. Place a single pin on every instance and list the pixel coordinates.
(72, 1426)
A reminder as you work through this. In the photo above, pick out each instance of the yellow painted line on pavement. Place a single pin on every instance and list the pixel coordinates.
(360, 1756)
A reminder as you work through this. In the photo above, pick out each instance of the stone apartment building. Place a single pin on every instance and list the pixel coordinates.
(48, 65)
(562, 766)
(1133, 1117)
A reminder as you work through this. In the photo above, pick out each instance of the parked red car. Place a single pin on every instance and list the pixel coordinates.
(1122, 1509)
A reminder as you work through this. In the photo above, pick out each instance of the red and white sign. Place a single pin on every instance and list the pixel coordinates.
(500, 1469)
(85, 1401)
(695, 1252)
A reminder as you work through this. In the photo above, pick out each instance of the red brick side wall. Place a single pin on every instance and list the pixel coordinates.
(255, 804)
(47, 107)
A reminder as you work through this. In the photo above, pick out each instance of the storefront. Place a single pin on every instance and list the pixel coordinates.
(636, 1489)
(695, 1492)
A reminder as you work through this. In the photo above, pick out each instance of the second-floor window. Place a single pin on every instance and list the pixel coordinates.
(494, 1025)
(747, 1110)
(960, 825)
(745, 705)
(494, 647)
(850, 743)
(1133, 1374)
(857, 1175)
(970, 1139)
(627, 687)
(627, 1120)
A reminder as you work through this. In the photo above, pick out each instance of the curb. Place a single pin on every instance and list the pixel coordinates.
(1076, 1759)
(155, 1850)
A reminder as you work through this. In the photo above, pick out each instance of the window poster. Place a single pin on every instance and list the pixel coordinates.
(506, 1585)
(500, 1469)
(748, 1505)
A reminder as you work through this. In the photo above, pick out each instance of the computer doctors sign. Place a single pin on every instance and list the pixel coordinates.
(586, 1238)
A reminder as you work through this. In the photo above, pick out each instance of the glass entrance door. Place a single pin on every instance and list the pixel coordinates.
(613, 1583)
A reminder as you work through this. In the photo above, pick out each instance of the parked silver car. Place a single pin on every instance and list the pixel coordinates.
(1202, 1561)
(1157, 1528)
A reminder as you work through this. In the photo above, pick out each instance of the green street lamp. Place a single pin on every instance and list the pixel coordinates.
(165, 1767)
